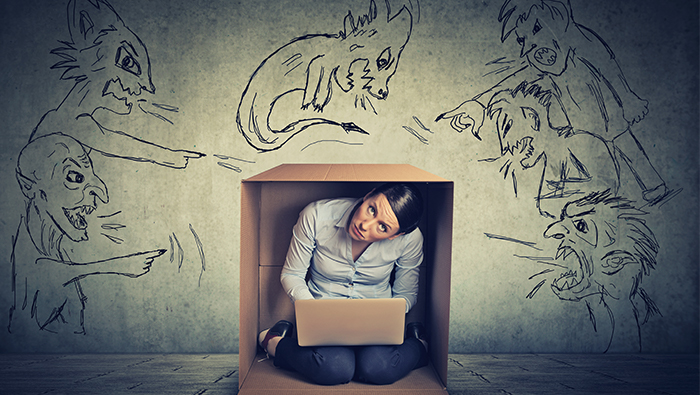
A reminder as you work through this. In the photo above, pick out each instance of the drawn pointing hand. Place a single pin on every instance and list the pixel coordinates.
(180, 158)
(468, 116)
(138, 264)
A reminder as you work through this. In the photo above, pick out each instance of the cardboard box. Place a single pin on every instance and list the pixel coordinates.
(270, 206)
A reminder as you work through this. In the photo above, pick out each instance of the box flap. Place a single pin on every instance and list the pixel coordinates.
(346, 172)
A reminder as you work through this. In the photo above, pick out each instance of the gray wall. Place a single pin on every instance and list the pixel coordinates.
(202, 55)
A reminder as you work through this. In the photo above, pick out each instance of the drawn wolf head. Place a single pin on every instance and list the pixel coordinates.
(105, 52)
(375, 41)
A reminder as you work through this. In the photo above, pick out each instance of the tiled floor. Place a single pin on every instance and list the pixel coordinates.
(468, 374)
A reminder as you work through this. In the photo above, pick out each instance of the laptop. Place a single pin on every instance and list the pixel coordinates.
(350, 322)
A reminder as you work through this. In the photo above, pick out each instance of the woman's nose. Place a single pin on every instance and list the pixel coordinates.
(367, 224)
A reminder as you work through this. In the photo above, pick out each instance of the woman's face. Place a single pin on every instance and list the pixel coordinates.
(374, 220)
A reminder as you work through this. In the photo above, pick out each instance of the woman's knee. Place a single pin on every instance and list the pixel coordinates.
(379, 365)
(334, 366)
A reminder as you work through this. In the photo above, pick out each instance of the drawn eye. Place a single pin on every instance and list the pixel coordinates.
(384, 60)
(126, 61)
(75, 177)
(521, 40)
(581, 226)
(537, 27)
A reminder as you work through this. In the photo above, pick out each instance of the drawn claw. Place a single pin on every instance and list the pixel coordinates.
(193, 154)
(461, 118)
(351, 127)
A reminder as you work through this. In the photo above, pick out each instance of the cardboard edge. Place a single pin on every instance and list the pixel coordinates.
(440, 281)
(249, 278)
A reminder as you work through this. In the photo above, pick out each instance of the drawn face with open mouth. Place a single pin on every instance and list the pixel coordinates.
(597, 249)
(65, 188)
(540, 37)
(520, 127)
(129, 73)
(376, 49)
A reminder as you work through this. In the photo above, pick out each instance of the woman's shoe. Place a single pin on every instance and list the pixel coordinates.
(282, 328)
(417, 330)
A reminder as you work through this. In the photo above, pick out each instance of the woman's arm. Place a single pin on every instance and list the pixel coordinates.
(298, 260)
(407, 271)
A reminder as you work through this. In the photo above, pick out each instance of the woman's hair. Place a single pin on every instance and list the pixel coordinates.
(405, 200)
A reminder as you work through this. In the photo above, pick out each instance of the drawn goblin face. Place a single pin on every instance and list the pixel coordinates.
(522, 131)
(539, 36)
(598, 249)
(56, 173)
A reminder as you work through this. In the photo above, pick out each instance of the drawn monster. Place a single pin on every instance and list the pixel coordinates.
(573, 164)
(111, 70)
(62, 191)
(577, 66)
(307, 72)
(606, 249)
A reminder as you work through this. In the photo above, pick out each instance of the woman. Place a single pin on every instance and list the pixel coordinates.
(350, 248)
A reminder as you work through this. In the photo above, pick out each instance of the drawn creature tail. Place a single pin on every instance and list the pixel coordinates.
(264, 138)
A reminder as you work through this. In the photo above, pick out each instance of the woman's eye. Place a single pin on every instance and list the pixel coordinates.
(382, 228)
(371, 210)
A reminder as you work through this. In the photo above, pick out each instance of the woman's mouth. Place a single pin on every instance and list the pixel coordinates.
(357, 232)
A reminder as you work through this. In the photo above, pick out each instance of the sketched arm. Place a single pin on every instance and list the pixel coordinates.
(133, 265)
(608, 69)
(71, 119)
(113, 143)
(470, 114)
(317, 91)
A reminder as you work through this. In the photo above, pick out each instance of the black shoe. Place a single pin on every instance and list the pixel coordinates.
(281, 328)
(417, 330)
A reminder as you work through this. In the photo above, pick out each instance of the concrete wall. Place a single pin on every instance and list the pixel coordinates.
(159, 262)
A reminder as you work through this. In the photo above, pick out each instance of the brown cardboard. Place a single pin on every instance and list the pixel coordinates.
(270, 205)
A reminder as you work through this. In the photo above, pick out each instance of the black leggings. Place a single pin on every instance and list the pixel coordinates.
(339, 365)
